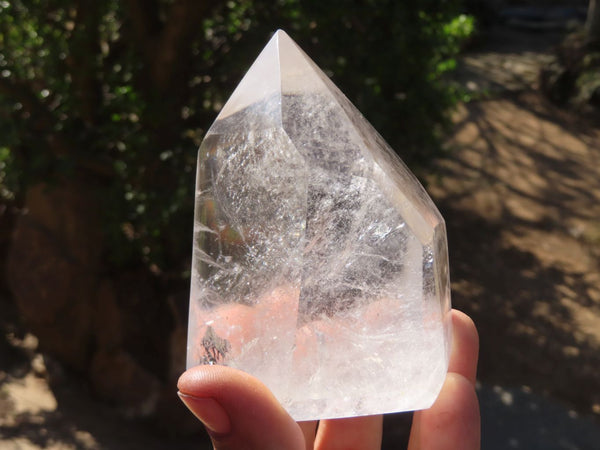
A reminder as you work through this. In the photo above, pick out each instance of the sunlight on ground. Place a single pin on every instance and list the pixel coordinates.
(523, 182)
(28, 395)
(27, 404)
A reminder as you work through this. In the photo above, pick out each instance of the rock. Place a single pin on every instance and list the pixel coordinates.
(119, 379)
(171, 415)
(117, 331)
(108, 318)
(52, 268)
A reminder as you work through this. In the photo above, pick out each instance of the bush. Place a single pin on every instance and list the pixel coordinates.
(119, 94)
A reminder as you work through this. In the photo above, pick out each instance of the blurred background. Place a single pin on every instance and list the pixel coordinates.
(494, 104)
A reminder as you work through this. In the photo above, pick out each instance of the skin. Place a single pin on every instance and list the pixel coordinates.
(240, 413)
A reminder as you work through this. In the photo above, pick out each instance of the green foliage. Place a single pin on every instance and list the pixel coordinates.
(454, 33)
(119, 94)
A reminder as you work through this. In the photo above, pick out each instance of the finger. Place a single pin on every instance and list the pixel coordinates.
(453, 420)
(465, 346)
(362, 433)
(238, 411)
(309, 430)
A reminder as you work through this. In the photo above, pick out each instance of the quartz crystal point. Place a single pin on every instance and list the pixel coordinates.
(320, 264)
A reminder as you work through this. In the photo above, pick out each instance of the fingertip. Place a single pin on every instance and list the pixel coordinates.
(465, 346)
(206, 380)
(258, 421)
(466, 323)
(209, 412)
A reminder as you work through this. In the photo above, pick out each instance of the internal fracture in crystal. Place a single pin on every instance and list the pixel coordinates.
(320, 263)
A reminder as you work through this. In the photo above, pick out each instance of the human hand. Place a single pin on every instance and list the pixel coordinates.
(239, 412)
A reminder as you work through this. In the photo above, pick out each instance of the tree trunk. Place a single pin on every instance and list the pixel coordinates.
(592, 25)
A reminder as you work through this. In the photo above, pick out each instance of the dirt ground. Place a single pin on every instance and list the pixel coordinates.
(521, 196)
(520, 191)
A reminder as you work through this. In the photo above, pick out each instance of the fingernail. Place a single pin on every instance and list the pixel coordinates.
(209, 412)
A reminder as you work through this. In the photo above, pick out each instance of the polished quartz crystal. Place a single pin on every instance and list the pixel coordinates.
(320, 263)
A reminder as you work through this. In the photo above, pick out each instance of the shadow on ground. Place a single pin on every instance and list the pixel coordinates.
(521, 197)
(43, 406)
(520, 419)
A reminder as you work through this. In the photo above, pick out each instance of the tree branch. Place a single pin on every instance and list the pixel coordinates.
(145, 24)
(183, 21)
(165, 47)
(84, 48)
(592, 25)
(145, 17)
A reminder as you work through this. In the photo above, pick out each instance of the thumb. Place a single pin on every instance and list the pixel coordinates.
(238, 411)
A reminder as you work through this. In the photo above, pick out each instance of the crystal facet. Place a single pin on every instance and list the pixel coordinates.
(320, 263)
